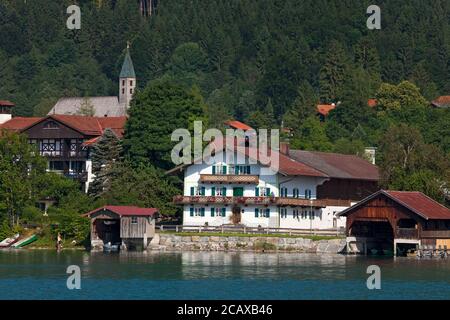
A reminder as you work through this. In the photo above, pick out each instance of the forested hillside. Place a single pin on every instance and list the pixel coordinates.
(241, 53)
(263, 62)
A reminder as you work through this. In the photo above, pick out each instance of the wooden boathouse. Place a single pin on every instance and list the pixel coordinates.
(396, 221)
(127, 226)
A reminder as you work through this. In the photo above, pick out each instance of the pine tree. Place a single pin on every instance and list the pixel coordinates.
(106, 153)
(86, 108)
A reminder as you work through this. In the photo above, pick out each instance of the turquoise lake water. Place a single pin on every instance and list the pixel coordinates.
(39, 274)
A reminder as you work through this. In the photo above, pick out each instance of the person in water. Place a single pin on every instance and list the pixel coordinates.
(58, 242)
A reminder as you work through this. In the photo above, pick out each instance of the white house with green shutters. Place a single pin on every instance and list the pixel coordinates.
(306, 191)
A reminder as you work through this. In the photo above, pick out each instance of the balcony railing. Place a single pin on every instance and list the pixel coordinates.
(81, 176)
(407, 233)
(443, 234)
(229, 178)
(248, 200)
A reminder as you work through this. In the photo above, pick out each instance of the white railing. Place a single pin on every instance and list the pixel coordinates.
(251, 230)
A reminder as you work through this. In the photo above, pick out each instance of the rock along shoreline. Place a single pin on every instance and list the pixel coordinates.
(173, 242)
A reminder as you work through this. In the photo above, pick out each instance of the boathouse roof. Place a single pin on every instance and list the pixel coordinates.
(125, 211)
(415, 201)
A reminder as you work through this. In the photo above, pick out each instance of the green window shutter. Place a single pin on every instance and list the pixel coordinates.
(213, 191)
(256, 212)
(192, 191)
(224, 191)
(203, 191)
(192, 212)
(202, 212)
(256, 192)
(224, 169)
(268, 192)
(212, 212)
(267, 213)
(248, 169)
(213, 169)
(223, 212)
(236, 170)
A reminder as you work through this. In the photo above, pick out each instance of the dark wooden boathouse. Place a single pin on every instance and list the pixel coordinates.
(396, 221)
(127, 226)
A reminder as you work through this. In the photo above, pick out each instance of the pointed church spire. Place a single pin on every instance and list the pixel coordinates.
(127, 67)
(127, 79)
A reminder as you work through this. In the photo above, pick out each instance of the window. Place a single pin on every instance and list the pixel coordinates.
(123, 83)
(262, 192)
(241, 170)
(198, 191)
(56, 165)
(134, 220)
(131, 82)
(295, 214)
(262, 213)
(218, 212)
(197, 212)
(283, 192)
(50, 147)
(131, 91)
(307, 194)
(123, 90)
(295, 193)
(283, 213)
(51, 125)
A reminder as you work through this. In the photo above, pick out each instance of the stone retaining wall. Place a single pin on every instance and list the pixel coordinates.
(220, 243)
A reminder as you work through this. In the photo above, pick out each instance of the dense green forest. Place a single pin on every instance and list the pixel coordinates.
(267, 63)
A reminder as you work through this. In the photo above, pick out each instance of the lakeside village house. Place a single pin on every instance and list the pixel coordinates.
(65, 137)
(309, 190)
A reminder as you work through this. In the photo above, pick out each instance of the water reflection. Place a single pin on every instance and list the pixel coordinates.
(218, 275)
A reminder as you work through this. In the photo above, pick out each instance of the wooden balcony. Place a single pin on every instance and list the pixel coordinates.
(438, 234)
(248, 201)
(407, 233)
(229, 178)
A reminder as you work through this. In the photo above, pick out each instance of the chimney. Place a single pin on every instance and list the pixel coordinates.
(370, 154)
(284, 147)
(5, 111)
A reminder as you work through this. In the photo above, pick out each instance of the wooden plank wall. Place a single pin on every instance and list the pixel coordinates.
(134, 230)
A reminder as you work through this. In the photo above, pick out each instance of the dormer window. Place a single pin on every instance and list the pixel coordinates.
(51, 125)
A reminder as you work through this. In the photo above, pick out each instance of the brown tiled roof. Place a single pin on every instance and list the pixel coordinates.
(337, 165)
(441, 102)
(19, 123)
(421, 204)
(372, 103)
(91, 126)
(238, 125)
(324, 109)
(414, 201)
(126, 211)
(6, 103)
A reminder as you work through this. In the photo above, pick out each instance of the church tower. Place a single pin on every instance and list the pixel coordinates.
(127, 80)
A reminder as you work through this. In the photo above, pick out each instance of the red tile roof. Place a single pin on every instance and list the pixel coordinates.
(126, 211)
(90, 126)
(6, 103)
(19, 123)
(420, 204)
(442, 101)
(414, 201)
(238, 125)
(372, 103)
(286, 165)
(324, 109)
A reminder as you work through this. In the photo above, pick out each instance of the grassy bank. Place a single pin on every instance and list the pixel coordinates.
(254, 235)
